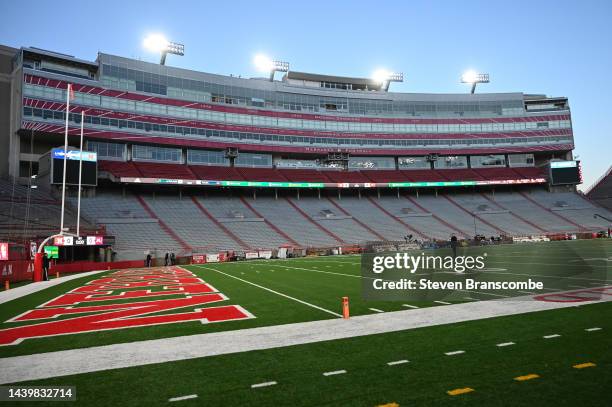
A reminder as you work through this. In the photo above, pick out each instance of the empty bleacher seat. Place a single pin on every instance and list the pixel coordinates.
(261, 174)
(206, 172)
(119, 168)
(158, 170)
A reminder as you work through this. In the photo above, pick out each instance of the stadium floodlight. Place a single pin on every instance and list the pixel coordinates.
(474, 78)
(265, 64)
(159, 43)
(385, 77)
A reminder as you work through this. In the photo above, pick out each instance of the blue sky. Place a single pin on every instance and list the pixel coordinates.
(558, 48)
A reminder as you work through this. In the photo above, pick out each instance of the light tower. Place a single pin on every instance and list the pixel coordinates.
(385, 78)
(474, 78)
(265, 64)
(159, 43)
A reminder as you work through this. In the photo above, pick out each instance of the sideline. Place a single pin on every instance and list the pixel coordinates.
(77, 361)
(18, 292)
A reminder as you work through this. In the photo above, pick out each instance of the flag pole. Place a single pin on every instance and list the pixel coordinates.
(68, 91)
(78, 227)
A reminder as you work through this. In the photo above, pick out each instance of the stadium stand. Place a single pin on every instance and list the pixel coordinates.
(27, 213)
(211, 163)
(601, 190)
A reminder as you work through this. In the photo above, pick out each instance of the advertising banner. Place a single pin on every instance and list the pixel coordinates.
(198, 259)
(212, 258)
(251, 255)
(3, 251)
(265, 254)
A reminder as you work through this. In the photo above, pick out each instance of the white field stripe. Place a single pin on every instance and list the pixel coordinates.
(319, 271)
(551, 336)
(456, 352)
(264, 384)
(470, 298)
(338, 274)
(577, 286)
(334, 372)
(409, 306)
(544, 276)
(484, 293)
(501, 345)
(593, 329)
(376, 310)
(443, 302)
(191, 396)
(275, 292)
(397, 362)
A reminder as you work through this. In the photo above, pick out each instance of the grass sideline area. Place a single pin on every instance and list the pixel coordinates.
(489, 370)
(307, 289)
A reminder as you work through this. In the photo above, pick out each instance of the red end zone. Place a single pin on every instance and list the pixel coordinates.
(591, 294)
(126, 284)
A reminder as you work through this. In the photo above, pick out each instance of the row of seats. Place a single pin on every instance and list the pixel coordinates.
(178, 171)
(215, 221)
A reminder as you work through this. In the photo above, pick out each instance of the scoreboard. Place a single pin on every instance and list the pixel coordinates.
(565, 173)
(89, 175)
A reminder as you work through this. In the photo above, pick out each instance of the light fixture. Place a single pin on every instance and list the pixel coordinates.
(159, 43)
(385, 77)
(473, 78)
(265, 64)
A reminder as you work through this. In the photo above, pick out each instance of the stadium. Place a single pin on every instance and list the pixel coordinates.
(171, 236)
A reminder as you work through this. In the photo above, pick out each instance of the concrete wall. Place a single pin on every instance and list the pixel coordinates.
(6, 67)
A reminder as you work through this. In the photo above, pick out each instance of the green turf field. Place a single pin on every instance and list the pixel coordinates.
(424, 380)
(297, 290)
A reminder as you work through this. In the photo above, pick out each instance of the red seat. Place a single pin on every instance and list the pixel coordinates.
(423, 176)
(158, 170)
(346, 176)
(464, 174)
(119, 168)
(304, 175)
(385, 175)
(530, 172)
(212, 173)
(493, 174)
(262, 174)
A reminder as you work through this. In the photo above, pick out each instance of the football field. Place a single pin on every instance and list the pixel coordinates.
(558, 354)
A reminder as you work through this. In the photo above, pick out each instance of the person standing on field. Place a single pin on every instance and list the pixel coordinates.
(453, 244)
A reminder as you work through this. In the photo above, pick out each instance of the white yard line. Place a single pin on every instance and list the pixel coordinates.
(397, 362)
(188, 397)
(265, 384)
(376, 310)
(410, 306)
(501, 345)
(335, 372)
(76, 361)
(551, 336)
(274, 292)
(456, 352)
(593, 329)
(443, 302)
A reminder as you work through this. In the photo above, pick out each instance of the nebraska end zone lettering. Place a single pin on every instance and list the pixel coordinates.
(149, 286)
